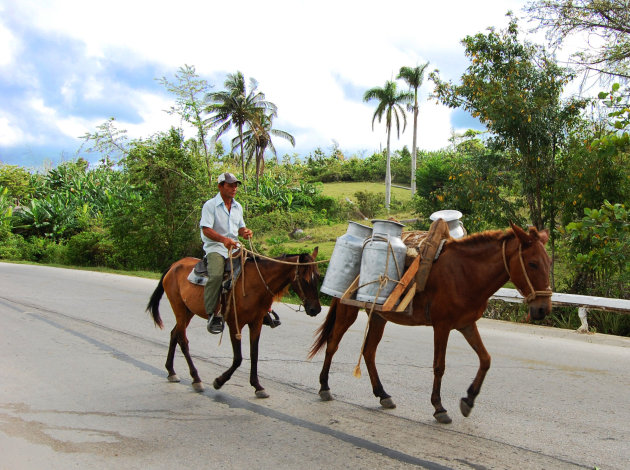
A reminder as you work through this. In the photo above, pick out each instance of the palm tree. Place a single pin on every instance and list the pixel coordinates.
(413, 77)
(235, 106)
(390, 102)
(257, 139)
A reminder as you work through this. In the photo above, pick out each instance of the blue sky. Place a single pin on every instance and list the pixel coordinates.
(67, 66)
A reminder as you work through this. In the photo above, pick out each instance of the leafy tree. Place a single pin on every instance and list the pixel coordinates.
(474, 179)
(236, 106)
(258, 138)
(607, 21)
(515, 89)
(617, 100)
(17, 181)
(190, 91)
(156, 221)
(108, 140)
(413, 76)
(390, 102)
(599, 253)
(6, 211)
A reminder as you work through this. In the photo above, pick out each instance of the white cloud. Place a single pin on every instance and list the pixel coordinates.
(154, 119)
(306, 56)
(10, 134)
(8, 46)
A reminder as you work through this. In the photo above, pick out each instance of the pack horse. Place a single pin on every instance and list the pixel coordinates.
(466, 274)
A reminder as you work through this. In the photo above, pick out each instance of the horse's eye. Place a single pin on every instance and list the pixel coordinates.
(533, 265)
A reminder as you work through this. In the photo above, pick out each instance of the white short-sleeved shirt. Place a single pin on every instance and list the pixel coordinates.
(215, 216)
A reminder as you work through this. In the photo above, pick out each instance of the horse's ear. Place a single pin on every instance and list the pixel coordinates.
(543, 236)
(314, 255)
(521, 234)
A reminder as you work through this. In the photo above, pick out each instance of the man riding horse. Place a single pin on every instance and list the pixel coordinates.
(221, 224)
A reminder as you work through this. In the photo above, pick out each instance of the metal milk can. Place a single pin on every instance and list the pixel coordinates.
(345, 261)
(383, 255)
(451, 217)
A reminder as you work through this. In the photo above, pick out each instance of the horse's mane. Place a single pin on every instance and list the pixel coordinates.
(481, 238)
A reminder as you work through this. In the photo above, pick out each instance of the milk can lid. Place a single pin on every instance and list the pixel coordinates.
(393, 222)
(447, 215)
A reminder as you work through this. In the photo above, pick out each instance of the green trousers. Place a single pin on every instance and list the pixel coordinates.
(216, 265)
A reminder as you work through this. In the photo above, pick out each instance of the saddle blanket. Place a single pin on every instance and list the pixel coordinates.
(199, 273)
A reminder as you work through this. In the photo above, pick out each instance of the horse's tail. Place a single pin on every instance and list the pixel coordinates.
(154, 302)
(324, 331)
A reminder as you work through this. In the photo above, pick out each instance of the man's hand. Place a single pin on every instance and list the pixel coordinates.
(245, 233)
(229, 243)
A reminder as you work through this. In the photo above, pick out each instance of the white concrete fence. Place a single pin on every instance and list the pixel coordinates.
(584, 303)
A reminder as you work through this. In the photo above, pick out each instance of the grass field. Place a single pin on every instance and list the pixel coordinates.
(325, 236)
(342, 190)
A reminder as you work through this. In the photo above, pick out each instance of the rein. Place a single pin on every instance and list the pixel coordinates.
(533, 292)
(296, 277)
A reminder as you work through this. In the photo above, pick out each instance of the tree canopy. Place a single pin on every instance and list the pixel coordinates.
(606, 24)
(390, 104)
(413, 76)
(515, 88)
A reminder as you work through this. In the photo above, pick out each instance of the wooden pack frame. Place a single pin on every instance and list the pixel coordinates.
(413, 279)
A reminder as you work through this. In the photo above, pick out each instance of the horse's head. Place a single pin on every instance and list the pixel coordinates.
(529, 270)
(306, 283)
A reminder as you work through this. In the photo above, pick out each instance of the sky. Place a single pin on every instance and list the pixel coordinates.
(68, 66)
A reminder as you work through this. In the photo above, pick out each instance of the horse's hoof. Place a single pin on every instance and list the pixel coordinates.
(442, 417)
(216, 384)
(388, 403)
(261, 394)
(464, 407)
(325, 395)
(173, 378)
(198, 387)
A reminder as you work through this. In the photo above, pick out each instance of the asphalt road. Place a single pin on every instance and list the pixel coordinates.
(82, 385)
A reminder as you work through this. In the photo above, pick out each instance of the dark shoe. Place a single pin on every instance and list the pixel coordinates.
(271, 319)
(215, 324)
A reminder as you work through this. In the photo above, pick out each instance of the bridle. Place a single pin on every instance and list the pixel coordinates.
(296, 279)
(533, 292)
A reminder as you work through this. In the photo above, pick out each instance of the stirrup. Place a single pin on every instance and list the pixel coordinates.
(271, 319)
(215, 324)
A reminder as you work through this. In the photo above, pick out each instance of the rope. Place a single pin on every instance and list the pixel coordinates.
(227, 310)
(382, 280)
(244, 250)
(278, 260)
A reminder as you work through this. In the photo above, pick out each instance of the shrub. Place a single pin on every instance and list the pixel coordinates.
(599, 251)
(90, 248)
(11, 246)
(369, 203)
(285, 221)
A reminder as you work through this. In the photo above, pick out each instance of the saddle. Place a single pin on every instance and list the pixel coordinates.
(199, 273)
(199, 276)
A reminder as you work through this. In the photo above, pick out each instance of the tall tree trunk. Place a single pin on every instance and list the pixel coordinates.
(413, 145)
(552, 216)
(202, 136)
(388, 172)
(240, 134)
(257, 170)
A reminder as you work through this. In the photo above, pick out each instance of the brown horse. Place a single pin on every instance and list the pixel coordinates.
(461, 281)
(264, 280)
